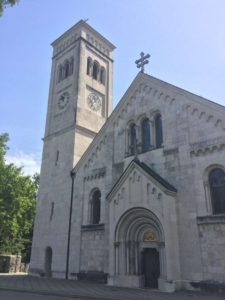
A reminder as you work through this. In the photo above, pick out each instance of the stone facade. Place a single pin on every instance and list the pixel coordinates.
(212, 241)
(92, 248)
(153, 202)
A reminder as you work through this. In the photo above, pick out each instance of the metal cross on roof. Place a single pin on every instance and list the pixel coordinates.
(142, 61)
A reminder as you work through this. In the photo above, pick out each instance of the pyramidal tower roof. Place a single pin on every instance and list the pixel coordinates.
(83, 29)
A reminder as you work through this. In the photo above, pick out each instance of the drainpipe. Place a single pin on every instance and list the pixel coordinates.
(73, 175)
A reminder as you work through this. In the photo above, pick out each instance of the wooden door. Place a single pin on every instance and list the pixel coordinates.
(151, 267)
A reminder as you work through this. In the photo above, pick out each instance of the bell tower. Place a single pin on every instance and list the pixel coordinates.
(80, 96)
(80, 101)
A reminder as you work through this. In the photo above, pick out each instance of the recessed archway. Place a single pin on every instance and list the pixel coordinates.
(139, 236)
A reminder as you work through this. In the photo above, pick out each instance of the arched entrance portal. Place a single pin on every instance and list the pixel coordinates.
(139, 248)
(48, 262)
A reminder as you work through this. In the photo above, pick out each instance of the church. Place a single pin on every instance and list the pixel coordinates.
(134, 196)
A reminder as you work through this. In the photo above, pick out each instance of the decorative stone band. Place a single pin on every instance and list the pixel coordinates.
(207, 147)
(71, 41)
(95, 174)
(85, 131)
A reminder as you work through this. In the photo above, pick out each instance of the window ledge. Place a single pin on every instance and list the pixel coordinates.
(152, 148)
(128, 155)
(212, 219)
(93, 227)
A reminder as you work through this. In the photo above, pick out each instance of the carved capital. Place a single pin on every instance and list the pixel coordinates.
(116, 244)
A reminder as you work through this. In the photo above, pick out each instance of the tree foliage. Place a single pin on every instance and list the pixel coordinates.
(18, 197)
(5, 3)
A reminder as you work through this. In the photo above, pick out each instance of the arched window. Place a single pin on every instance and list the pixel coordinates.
(132, 138)
(102, 75)
(217, 190)
(145, 134)
(158, 131)
(60, 73)
(89, 63)
(71, 66)
(96, 207)
(67, 67)
(95, 70)
(63, 71)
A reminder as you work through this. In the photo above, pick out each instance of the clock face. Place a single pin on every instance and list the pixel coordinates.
(94, 101)
(63, 100)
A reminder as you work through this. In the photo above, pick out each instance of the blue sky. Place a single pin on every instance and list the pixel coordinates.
(186, 40)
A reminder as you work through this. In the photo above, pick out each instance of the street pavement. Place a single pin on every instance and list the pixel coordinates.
(87, 290)
(8, 295)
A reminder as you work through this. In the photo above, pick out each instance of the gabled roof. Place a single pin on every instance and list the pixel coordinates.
(165, 184)
(156, 176)
(184, 92)
(195, 100)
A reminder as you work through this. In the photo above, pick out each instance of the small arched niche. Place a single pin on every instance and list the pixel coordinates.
(95, 206)
(48, 262)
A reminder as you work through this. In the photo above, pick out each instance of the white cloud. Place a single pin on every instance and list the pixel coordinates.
(30, 162)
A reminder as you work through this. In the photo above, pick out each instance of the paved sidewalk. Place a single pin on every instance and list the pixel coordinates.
(87, 290)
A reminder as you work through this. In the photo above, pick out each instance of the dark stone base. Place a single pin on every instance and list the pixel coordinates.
(95, 276)
(36, 272)
(210, 286)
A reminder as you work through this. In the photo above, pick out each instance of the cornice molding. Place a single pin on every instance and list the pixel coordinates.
(207, 147)
(96, 174)
(85, 131)
(57, 133)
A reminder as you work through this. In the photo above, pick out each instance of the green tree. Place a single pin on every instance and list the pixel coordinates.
(5, 3)
(18, 197)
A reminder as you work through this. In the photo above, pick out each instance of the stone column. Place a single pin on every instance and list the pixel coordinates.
(207, 196)
(132, 258)
(136, 257)
(116, 246)
(122, 258)
(127, 257)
